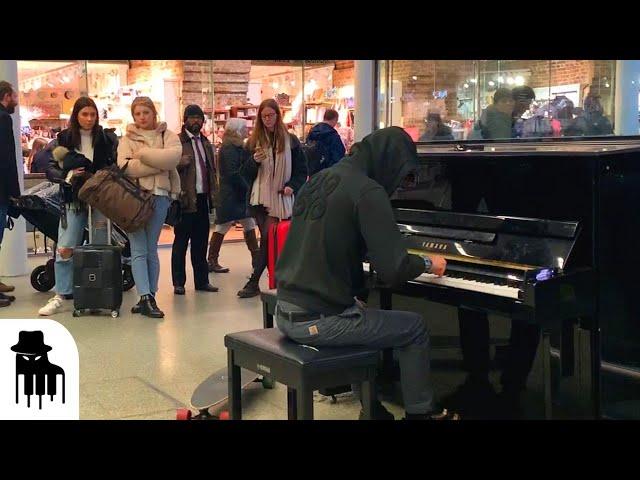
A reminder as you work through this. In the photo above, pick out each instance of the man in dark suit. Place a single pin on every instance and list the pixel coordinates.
(9, 185)
(197, 184)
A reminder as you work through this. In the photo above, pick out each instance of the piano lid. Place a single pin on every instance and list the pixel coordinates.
(488, 223)
(513, 243)
(558, 146)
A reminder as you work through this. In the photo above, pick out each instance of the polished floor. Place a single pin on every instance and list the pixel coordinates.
(134, 367)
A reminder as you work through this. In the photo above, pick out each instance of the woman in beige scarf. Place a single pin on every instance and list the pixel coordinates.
(277, 169)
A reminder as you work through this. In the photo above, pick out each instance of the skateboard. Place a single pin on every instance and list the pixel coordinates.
(214, 390)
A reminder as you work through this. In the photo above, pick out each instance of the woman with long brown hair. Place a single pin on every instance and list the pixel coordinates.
(277, 169)
(38, 160)
(94, 149)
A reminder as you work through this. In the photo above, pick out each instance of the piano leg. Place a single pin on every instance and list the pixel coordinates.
(386, 377)
(546, 369)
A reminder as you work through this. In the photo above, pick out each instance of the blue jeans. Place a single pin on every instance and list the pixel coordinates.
(71, 237)
(3, 220)
(405, 332)
(145, 264)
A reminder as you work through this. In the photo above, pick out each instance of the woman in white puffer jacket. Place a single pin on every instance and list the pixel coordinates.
(151, 154)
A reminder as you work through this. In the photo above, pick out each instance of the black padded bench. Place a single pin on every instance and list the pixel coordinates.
(301, 368)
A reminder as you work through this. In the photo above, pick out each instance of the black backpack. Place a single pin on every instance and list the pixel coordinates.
(316, 156)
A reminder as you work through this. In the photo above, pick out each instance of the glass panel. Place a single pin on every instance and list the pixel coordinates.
(48, 90)
(435, 100)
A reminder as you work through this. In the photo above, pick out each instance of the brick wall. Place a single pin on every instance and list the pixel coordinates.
(343, 73)
(231, 82)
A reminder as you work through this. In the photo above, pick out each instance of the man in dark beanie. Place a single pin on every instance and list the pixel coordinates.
(196, 169)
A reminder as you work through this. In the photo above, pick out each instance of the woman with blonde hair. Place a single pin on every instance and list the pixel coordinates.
(277, 170)
(150, 153)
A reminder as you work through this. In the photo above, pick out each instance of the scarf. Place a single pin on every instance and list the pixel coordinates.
(272, 176)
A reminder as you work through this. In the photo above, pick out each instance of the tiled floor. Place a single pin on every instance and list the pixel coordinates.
(134, 367)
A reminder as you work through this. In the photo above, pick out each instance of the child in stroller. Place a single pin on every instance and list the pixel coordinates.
(40, 206)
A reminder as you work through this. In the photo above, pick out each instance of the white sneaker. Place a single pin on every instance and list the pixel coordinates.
(54, 305)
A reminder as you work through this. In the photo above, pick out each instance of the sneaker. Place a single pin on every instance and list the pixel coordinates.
(55, 304)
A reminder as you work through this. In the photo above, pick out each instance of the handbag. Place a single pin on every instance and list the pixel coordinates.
(118, 198)
(174, 214)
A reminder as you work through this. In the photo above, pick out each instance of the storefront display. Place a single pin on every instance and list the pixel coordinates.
(459, 91)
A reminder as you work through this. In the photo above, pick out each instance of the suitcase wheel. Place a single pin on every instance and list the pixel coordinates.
(183, 414)
(115, 313)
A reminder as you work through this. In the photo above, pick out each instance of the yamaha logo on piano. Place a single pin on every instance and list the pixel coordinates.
(434, 245)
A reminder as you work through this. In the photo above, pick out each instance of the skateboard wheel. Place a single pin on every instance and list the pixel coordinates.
(76, 313)
(268, 383)
(115, 313)
(224, 415)
(183, 414)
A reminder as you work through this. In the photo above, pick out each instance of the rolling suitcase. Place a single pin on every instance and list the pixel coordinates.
(277, 235)
(97, 276)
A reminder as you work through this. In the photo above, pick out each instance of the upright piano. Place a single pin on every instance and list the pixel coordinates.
(525, 229)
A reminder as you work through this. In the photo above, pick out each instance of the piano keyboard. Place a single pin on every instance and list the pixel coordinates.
(464, 284)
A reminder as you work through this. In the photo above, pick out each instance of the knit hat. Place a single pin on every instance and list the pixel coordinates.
(193, 111)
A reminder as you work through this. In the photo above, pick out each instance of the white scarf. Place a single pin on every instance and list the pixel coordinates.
(272, 175)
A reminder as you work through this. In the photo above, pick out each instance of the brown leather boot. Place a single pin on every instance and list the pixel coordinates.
(214, 252)
(6, 288)
(252, 244)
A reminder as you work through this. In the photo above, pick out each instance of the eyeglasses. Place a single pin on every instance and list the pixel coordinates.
(268, 115)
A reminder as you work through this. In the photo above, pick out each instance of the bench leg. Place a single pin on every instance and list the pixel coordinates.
(267, 318)
(235, 387)
(292, 404)
(304, 403)
(369, 395)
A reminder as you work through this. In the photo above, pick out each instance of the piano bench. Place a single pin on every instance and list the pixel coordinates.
(303, 369)
(269, 299)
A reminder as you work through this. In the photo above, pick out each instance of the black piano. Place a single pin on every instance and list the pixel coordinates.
(527, 229)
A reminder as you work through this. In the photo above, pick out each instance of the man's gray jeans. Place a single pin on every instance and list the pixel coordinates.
(405, 332)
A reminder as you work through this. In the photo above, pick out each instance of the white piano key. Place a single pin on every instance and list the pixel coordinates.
(463, 284)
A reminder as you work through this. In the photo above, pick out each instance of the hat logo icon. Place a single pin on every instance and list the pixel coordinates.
(40, 375)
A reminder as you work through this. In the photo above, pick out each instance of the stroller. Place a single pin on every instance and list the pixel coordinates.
(41, 206)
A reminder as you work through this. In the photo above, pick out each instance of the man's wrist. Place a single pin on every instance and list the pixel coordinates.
(427, 264)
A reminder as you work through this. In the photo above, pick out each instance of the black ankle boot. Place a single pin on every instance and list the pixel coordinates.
(136, 308)
(251, 289)
(149, 307)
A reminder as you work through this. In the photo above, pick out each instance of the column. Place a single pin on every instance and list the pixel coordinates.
(13, 253)
(365, 100)
(626, 97)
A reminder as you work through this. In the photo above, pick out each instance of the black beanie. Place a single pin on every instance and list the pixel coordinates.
(193, 111)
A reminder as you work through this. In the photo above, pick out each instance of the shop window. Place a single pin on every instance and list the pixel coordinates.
(439, 100)
(48, 90)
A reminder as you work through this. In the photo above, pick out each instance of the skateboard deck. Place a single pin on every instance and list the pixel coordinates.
(214, 390)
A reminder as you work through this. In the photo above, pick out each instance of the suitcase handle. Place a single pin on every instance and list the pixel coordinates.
(91, 227)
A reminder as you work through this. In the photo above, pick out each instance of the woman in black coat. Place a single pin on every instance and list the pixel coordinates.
(233, 193)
